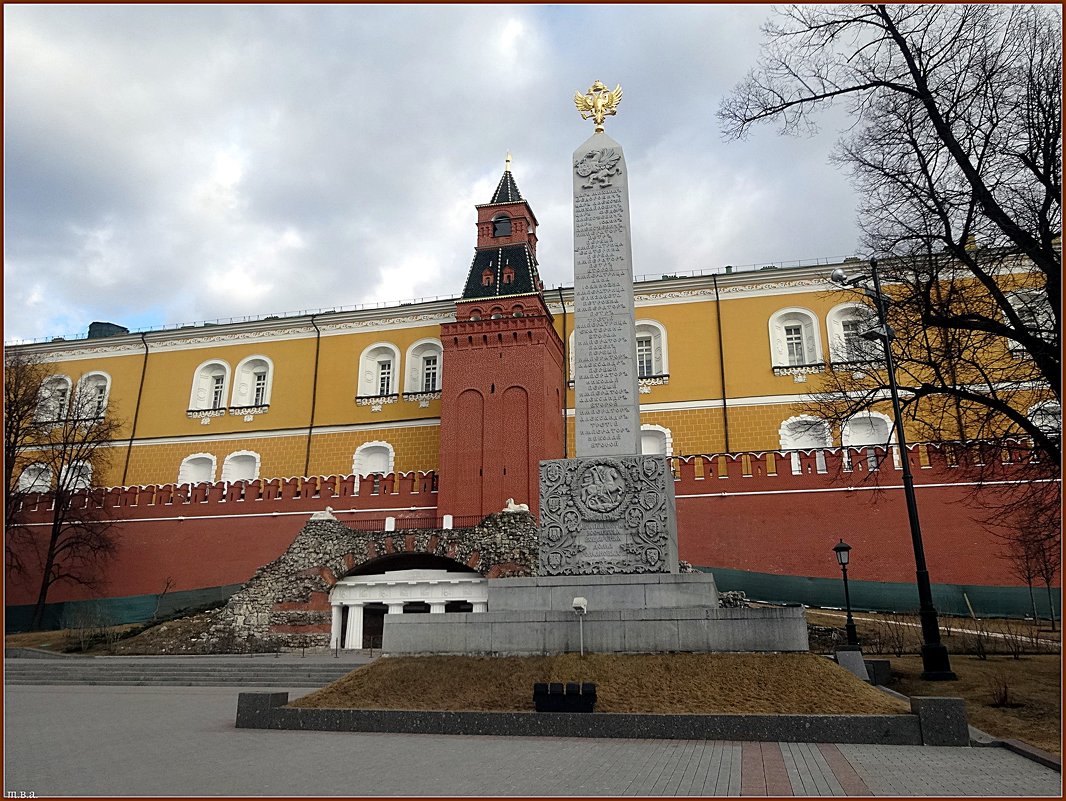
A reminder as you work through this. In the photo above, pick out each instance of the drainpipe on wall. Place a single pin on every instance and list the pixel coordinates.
(721, 363)
(314, 397)
(566, 365)
(136, 409)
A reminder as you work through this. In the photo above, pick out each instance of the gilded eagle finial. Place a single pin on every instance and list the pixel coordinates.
(598, 102)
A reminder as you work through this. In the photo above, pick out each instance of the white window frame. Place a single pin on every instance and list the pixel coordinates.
(660, 352)
(664, 433)
(1032, 306)
(835, 319)
(369, 365)
(788, 436)
(93, 380)
(48, 410)
(201, 398)
(1043, 409)
(244, 381)
(848, 440)
(198, 456)
(86, 480)
(39, 481)
(227, 465)
(811, 339)
(415, 361)
(374, 474)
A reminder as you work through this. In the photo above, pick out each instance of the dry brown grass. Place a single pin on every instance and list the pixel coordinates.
(662, 683)
(1033, 682)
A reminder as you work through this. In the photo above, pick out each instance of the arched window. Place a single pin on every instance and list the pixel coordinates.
(424, 365)
(508, 275)
(373, 460)
(805, 433)
(241, 466)
(76, 476)
(846, 323)
(487, 278)
(53, 399)
(1047, 417)
(196, 469)
(501, 225)
(866, 429)
(93, 391)
(252, 381)
(795, 347)
(656, 440)
(378, 366)
(652, 355)
(35, 478)
(1037, 318)
(209, 386)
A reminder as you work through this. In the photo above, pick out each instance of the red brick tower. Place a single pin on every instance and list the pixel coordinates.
(502, 394)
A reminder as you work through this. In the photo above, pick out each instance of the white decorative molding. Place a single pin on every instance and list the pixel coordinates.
(376, 402)
(423, 398)
(206, 414)
(248, 411)
(800, 369)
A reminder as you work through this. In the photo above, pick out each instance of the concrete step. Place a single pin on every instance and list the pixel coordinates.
(117, 671)
(115, 682)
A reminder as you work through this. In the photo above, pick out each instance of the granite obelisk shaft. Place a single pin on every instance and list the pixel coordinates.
(607, 406)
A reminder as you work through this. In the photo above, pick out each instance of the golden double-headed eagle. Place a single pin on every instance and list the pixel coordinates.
(598, 102)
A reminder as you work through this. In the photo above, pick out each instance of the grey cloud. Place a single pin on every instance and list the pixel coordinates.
(215, 161)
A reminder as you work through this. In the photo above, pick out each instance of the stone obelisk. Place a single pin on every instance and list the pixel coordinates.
(610, 510)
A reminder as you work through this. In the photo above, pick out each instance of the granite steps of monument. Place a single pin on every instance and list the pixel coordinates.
(161, 672)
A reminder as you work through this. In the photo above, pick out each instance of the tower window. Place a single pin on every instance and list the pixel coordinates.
(487, 278)
(508, 275)
(501, 226)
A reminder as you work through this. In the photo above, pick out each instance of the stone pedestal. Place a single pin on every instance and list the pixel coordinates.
(607, 516)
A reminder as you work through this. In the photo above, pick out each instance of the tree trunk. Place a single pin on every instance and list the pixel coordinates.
(1050, 604)
(37, 623)
(1032, 600)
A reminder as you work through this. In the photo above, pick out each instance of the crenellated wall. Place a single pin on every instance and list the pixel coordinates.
(741, 511)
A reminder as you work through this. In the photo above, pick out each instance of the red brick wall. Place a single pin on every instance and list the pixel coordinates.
(737, 512)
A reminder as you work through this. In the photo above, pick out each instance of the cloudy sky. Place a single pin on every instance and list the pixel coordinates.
(174, 164)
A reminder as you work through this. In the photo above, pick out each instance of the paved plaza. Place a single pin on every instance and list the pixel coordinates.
(94, 740)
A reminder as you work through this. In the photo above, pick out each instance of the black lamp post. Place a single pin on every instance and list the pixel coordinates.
(935, 663)
(843, 552)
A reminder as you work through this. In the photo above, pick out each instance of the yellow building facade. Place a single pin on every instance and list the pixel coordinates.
(727, 363)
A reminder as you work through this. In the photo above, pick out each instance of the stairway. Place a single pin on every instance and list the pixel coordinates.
(258, 671)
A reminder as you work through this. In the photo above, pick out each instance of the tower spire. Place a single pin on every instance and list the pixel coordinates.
(507, 162)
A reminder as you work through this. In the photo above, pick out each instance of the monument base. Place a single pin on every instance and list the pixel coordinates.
(626, 614)
(607, 515)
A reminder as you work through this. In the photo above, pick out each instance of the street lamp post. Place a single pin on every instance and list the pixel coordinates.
(843, 552)
(935, 663)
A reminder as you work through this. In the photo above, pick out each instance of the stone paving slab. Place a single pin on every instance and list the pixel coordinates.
(182, 741)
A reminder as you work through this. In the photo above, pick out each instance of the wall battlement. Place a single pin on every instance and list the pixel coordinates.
(283, 495)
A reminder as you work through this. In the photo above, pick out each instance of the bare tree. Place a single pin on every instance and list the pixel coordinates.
(57, 440)
(23, 376)
(955, 152)
(1048, 563)
(1021, 556)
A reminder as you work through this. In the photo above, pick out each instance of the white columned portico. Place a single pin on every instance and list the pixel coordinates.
(394, 588)
(353, 638)
(335, 626)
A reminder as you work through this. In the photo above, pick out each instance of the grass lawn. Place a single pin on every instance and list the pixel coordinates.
(664, 683)
(1033, 687)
